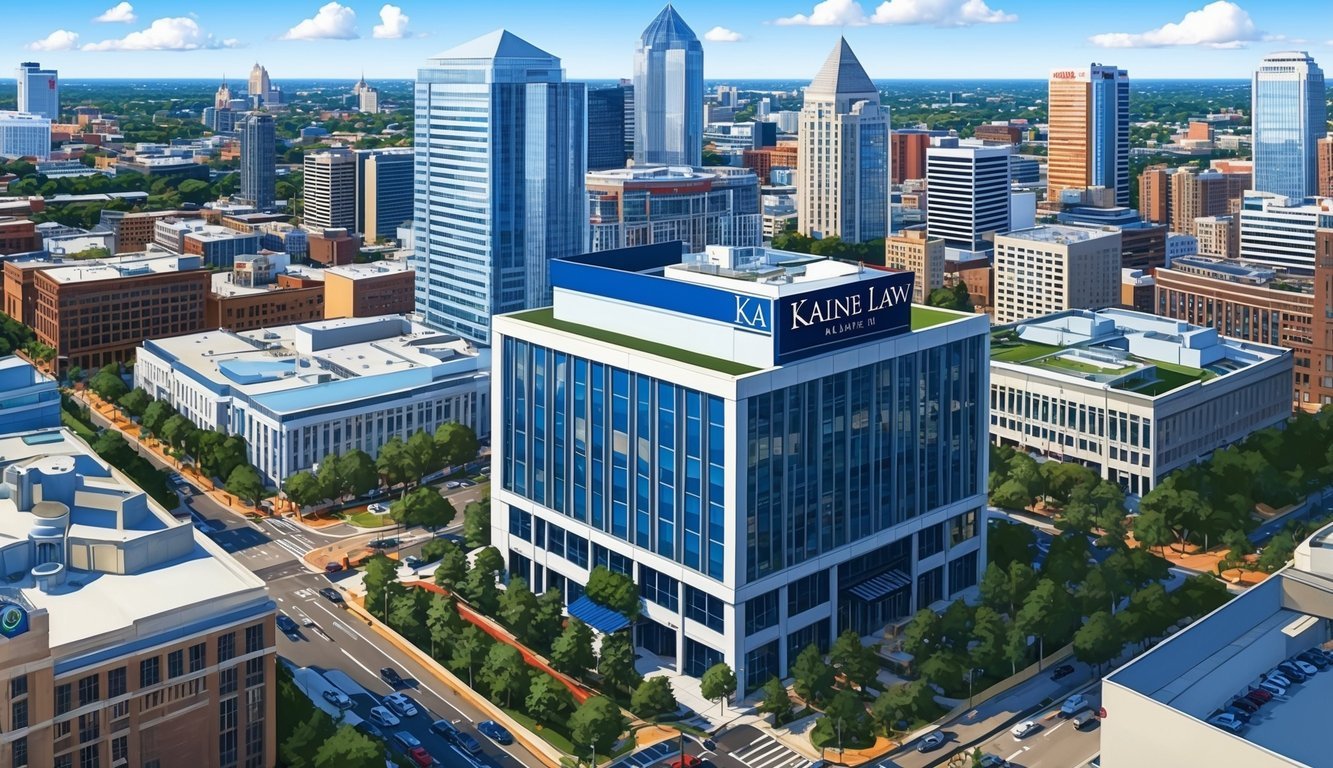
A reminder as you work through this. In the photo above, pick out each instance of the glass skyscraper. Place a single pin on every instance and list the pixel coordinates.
(500, 160)
(259, 160)
(668, 93)
(606, 128)
(1289, 113)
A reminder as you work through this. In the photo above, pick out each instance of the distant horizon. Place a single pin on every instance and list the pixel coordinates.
(66, 80)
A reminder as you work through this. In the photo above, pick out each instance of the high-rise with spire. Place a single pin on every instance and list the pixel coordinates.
(499, 189)
(668, 93)
(222, 100)
(843, 153)
(259, 83)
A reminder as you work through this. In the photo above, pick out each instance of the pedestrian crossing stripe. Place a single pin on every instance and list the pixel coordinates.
(770, 753)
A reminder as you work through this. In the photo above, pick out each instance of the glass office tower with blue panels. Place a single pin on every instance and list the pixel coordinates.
(775, 448)
(1290, 113)
(500, 142)
(668, 93)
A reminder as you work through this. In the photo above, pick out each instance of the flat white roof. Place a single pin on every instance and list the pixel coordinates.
(1055, 233)
(120, 268)
(372, 269)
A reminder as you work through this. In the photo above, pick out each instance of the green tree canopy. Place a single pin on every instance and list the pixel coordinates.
(653, 697)
(246, 483)
(571, 652)
(613, 590)
(596, 725)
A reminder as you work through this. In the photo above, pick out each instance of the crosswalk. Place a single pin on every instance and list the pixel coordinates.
(767, 752)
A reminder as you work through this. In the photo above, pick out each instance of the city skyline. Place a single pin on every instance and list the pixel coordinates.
(900, 38)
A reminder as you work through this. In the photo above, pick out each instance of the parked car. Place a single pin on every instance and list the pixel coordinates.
(466, 484)
(332, 595)
(420, 757)
(684, 761)
(1244, 705)
(451, 484)
(1292, 672)
(382, 543)
(1309, 669)
(176, 478)
(1259, 697)
(337, 698)
(930, 742)
(370, 729)
(1083, 719)
(1024, 729)
(463, 741)
(1272, 687)
(1238, 713)
(1062, 671)
(1227, 722)
(391, 676)
(333, 567)
(1279, 678)
(992, 761)
(383, 717)
(412, 561)
(455, 538)
(285, 624)
(1319, 660)
(468, 743)
(497, 733)
(1073, 705)
(378, 508)
(401, 704)
(406, 740)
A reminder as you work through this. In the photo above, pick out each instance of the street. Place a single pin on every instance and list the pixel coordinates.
(1056, 744)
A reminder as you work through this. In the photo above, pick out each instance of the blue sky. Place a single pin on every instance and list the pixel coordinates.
(595, 38)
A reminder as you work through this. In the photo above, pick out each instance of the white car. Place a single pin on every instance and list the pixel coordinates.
(1023, 729)
(1227, 721)
(337, 698)
(1073, 705)
(400, 704)
(1305, 667)
(1273, 687)
(1279, 678)
(378, 509)
(383, 717)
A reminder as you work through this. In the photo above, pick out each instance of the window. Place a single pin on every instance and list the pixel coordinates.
(930, 541)
(576, 550)
(613, 561)
(89, 727)
(962, 573)
(115, 682)
(254, 740)
(197, 660)
(704, 608)
(254, 672)
(18, 687)
(226, 647)
(761, 613)
(150, 672)
(227, 681)
(64, 700)
(659, 588)
(929, 587)
(88, 690)
(962, 527)
(18, 715)
(254, 638)
(175, 664)
(520, 523)
(18, 752)
(65, 761)
(804, 594)
(120, 750)
(90, 756)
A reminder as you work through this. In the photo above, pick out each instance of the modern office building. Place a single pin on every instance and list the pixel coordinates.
(1130, 395)
(259, 160)
(668, 93)
(915, 250)
(1163, 699)
(1280, 231)
(1142, 245)
(708, 475)
(496, 202)
(1000, 132)
(969, 193)
(1218, 236)
(29, 399)
(1290, 112)
(844, 153)
(1138, 290)
(1324, 166)
(171, 167)
(96, 312)
(263, 291)
(38, 91)
(1179, 244)
(223, 96)
(367, 97)
(643, 205)
(909, 147)
(366, 290)
(1088, 139)
(332, 247)
(606, 128)
(1177, 197)
(383, 192)
(330, 189)
(297, 393)
(24, 135)
(132, 232)
(18, 235)
(262, 92)
(219, 246)
(1050, 268)
(764, 159)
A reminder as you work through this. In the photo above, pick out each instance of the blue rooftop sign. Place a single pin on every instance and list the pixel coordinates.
(815, 322)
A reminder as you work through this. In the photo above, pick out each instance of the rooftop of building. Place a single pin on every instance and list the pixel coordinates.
(649, 174)
(1055, 233)
(1132, 352)
(168, 568)
(668, 30)
(114, 268)
(164, 161)
(369, 270)
(498, 44)
(23, 117)
(211, 233)
(294, 368)
(1242, 272)
(842, 76)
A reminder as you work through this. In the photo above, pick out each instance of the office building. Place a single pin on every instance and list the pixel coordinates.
(38, 91)
(222, 98)
(1142, 245)
(262, 92)
(18, 235)
(1262, 305)
(132, 232)
(259, 160)
(787, 120)
(606, 128)
(218, 246)
(1194, 193)
(482, 248)
(1290, 112)
(915, 250)
(1163, 699)
(1088, 138)
(1138, 290)
(732, 140)
(332, 247)
(172, 167)
(367, 290)
(1024, 171)
(367, 97)
(969, 193)
(711, 473)
(1279, 231)
(1218, 236)
(1155, 193)
(1130, 395)
(263, 291)
(330, 189)
(844, 153)
(1047, 269)
(998, 132)
(910, 146)
(668, 93)
(362, 381)
(764, 159)
(643, 205)
(96, 312)
(1324, 166)
(383, 192)
(24, 135)
(1180, 244)
(30, 399)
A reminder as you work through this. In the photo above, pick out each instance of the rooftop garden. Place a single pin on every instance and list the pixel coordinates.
(925, 317)
(1167, 377)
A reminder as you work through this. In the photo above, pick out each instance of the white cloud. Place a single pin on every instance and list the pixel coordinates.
(723, 35)
(179, 33)
(941, 13)
(59, 40)
(393, 23)
(829, 13)
(332, 22)
(120, 13)
(1220, 24)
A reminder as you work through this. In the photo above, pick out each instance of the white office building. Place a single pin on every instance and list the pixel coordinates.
(24, 135)
(1279, 231)
(1131, 395)
(1051, 268)
(775, 448)
(330, 189)
(38, 91)
(969, 194)
(297, 393)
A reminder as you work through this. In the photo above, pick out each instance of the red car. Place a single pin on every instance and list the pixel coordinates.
(1261, 694)
(419, 756)
(686, 761)
(1259, 700)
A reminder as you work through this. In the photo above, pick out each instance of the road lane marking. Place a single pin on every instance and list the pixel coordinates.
(1053, 729)
(359, 664)
(1007, 759)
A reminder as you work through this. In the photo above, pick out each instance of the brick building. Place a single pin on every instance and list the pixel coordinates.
(364, 290)
(18, 235)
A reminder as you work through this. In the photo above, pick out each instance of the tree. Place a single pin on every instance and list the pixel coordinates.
(1038, 615)
(395, 464)
(571, 651)
(1067, 559)
(546, 620)
(349, 748)
(470, 651)
(518, 607)
(845, 723)
(423, 452)
(423, 506)
(452, 569)
(718, 683)
(357, 471)
(175, 429)
(304, 739)
(156, 414)
(1008, 542)
(1278, 551)
(303, 489)
(596, 725)
(405, 616)
(653, 697)
(443, 623)
(1098, 641)
(479, 589)
(456, 444)
(904, 704)
(992, 633)
(923, 634)
(135, 402)
(548, 700)
(1198, 595)
(1151, 530)
(994, 588)
(613, 590)
(946, 668)
(381, 580)
(246, 483)
(108, 385)
(489, 560)
(854, 661)
(616, 662)
(477, 523)
(776, 701)
(812, 678)
(953, 297)
(505, 673)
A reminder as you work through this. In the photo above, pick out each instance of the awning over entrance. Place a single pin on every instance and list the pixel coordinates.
(878, 587)
(598, 617)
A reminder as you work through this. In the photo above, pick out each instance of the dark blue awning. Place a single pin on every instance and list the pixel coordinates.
(599, 617)
(880, 586)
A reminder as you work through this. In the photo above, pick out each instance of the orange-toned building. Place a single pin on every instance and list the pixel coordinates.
(132, 232)
(18, 235)
(909, 147)
(1077, 129)
(1324, 149)
(333, 247)
(763, 160)
(365, 290)
(1008, 134)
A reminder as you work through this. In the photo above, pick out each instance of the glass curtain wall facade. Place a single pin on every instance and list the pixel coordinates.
(668, 93)
(1110, 132)
(259, 160)
(1290, 114)
(500, 142)
(606, 128)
